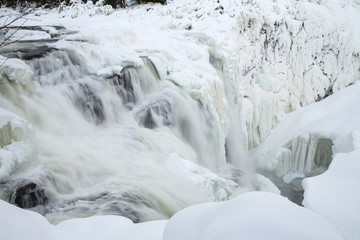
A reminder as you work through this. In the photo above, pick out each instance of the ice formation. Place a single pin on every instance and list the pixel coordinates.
(15, 141)
(304, 156)
(14, 69)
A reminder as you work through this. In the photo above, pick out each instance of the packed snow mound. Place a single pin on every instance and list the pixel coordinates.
(335, 194)
(19, 224)
(112, 227)
(253, 215)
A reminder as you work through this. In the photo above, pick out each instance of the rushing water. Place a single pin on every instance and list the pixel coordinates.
(101, 145)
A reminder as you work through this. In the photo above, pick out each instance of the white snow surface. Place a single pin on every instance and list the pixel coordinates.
(335, 194)
(35, 226)
(253, 215)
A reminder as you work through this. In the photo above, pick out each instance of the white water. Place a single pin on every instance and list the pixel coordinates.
(92, 153)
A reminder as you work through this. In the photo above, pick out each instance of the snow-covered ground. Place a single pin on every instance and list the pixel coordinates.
(254, 215)
(251, 68)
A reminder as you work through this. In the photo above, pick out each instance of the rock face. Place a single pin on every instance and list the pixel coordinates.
(153, 1)
(124, 86)
(88, 103)
(155, 114)
(29, 195)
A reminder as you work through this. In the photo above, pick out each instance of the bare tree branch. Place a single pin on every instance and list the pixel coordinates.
(17, 18)
(7, 25)
(3, 44)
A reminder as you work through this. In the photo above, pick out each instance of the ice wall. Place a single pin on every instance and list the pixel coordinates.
(304, 156)
(278, 55)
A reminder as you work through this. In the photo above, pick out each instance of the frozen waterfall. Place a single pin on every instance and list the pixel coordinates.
(141, 112)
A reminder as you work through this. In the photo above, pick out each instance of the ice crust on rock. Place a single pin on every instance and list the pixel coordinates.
(211, 185)
(26, 35)
(16, 70)
(15, 141)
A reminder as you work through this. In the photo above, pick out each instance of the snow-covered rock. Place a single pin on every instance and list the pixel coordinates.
(16, 70)
(211, 185)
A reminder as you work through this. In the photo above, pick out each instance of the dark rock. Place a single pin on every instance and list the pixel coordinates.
(153, 1)
(87, 102)
(91, 105)
(27, 51)
(155, 113)
(124, 87)
(328, 92)
(36, 52)
(188, 27)
(29, 195)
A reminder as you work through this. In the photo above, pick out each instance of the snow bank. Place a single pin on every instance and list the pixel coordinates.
(112, 227)
(19, 224)
(253, 215)
(335, 194)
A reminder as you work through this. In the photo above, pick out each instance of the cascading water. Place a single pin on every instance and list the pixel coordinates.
(236, 147)
(102, 145)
